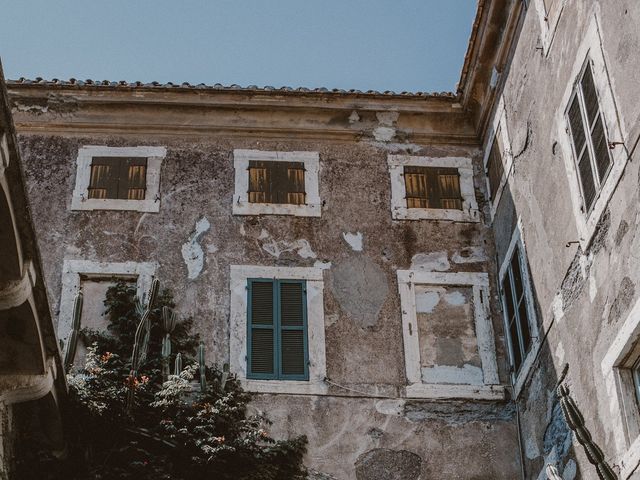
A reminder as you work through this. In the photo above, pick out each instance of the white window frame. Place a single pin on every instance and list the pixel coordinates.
(416, 388)
(399, 209)
(151, 203)
(548, 22)
(72, 270)
(316, 385)
(499, 124)
(241, 204)
(591, 50)
(620, 393)
(518, 379)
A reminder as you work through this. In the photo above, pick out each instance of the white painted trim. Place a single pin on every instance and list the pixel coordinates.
(591, 48)
(399, 210)
(241, 204)
(548, 22)
(479, 282)
(239, 274)
(622, 346)
(142, 272)
(499, 124)
(517, 239)
(151, 203)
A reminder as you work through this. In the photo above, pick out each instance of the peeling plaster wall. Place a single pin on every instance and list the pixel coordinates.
(195, 238)
(583, 297)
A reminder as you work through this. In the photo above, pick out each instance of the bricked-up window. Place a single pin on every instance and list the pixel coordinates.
(590, 145)
(516, 311)
(277, 323)
(432, 187)
(495, 168)
(276, 182)
(121, 178)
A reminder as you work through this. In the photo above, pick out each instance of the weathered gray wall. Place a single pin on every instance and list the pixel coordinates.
(598, 286)
(362, 307)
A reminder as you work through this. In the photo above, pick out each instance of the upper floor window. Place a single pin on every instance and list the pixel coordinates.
(432, 188)
(590, 134)
(497, 157)
(277, 321)
(590, 145)
(495, 168)
(118, 178)
(549, 12)
(277, 183)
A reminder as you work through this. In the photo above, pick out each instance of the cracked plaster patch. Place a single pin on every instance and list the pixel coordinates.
(192, 252)
(430, 262)
(355, 240)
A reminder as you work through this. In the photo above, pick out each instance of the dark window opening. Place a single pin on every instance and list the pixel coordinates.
(432, 187)
(495, 168)
(276, 182)
(123, 178)
(590, 145)
(516, 311)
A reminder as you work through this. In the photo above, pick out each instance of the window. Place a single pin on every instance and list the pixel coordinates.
(549, 12)
(431, 188)
(118, 178)
(589, 132)
(495, 169)
(497, 157)
(276, 183)
(520, 321)
(439, 364)
(621, 372)
(516, 311)
(94, 278)
(277, 323)
(590, 146)
(277, 329)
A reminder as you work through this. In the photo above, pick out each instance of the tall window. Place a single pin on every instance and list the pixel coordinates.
(118, 178)
(277, 330)
(432, 187)
(590, 145)
(276, 182)
(516, 311)
(495, 169)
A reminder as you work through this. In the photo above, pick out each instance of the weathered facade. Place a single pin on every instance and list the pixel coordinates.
(417, 364)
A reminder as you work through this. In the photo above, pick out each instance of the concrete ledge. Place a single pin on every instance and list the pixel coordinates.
(472, 392)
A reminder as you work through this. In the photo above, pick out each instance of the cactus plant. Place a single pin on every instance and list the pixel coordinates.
(169, 321)
(224, 377)
(178, 364)
(203, 368)
(72, 343)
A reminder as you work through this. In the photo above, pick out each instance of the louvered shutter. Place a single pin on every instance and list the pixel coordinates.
(495, 169)
(261, 346)
(103, 182)
(293, 334)
(133, 179)
(260, 178)
(449, 188)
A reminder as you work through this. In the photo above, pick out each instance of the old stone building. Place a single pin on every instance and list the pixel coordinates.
(402, 277)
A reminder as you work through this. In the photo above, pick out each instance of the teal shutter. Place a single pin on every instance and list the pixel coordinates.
(277, 344)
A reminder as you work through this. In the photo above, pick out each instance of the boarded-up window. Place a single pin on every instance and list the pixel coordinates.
(516, 310)
(276, 182)
(277, 323)
(123, 178)
(495, 168)
(590, 145)
(432, 187)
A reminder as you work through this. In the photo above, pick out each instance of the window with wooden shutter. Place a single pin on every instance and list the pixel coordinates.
(276, 182)
(590, 144)
(123, 178)
(432, 187)
(277, 330)
(495, 168)
(516, 310)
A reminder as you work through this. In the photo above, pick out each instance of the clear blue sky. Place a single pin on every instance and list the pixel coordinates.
(365, 44)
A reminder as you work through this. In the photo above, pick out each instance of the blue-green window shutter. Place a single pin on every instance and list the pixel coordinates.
(277, 344)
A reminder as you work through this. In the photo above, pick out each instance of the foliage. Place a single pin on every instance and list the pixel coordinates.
(179, 429)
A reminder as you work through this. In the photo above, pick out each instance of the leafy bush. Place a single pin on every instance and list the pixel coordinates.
(175, 428)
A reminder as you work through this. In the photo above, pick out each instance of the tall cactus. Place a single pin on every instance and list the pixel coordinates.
(169, 321)
(203, 368)
(224, 377)
(72, 343)
(141, 340)
(178, 364)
